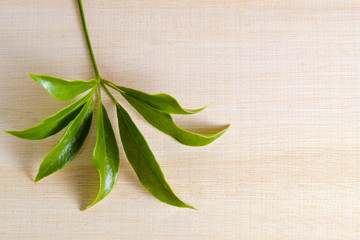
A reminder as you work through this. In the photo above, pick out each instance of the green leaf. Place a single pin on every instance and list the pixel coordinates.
(62, 89)
(165, 123)
(53, 124)
(106, 154)
(143, 161)
(69, 144)
(162, 102)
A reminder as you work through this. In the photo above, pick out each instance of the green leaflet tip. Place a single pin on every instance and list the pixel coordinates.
(92, 204)
(17, 134)
(87, 207)
(11, 133)
(194, 111)
(224, 130)
(40, 176)
(213, 137)
(97, 200)
(37, 178)
(191, 207)
(33, 76)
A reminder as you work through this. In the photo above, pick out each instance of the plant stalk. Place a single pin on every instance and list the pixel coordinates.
(111, 84)
(88, 40)
(99, 93)
(109, 93)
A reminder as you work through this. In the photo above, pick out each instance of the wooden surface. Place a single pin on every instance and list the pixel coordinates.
(285, 74)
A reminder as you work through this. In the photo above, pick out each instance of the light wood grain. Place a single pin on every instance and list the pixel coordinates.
(285, 74)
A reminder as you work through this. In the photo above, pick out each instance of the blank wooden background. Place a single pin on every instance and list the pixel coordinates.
(285, 74)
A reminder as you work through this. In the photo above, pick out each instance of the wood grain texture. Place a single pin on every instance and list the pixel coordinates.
(285, 74)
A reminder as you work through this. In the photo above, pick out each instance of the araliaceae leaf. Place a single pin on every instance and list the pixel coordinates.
(62, 89)
(143, 161)
(155, 108)
(165, 123)
(161, 102)
(69, 144)
(106, 154)
(53, 124)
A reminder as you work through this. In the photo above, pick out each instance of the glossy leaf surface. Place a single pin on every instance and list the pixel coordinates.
(143, 161)
(62, 89)
(53, 124)
(166, 124)
(106, 154)
(155, 108)
(69, 144)
(162, 102)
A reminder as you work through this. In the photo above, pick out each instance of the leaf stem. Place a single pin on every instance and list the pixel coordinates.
(109, 93)
(99, 93)
(88, 40)
(112, 85)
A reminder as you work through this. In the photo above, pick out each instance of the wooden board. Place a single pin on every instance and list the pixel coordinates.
(285, 74)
